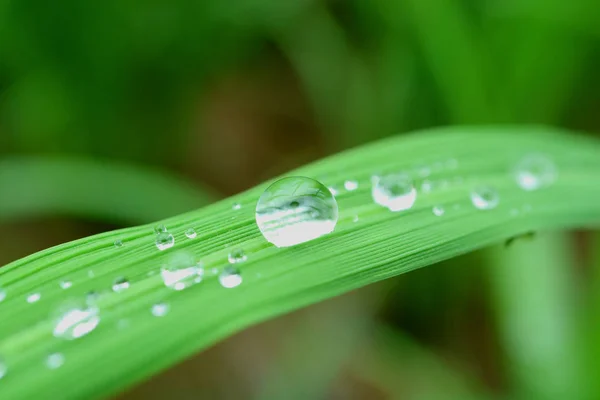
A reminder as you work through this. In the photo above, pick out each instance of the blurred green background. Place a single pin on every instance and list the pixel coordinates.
(116, 113)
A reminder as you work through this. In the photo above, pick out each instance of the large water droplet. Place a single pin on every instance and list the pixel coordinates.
(485, 198)
(535, 171)
(230, 277)
(120, 284)
(55, 360)
(164, 240)
(3, 368)
(181, 272)
(350, 185)
(295, 210)
(160, 309)
(394, 191)
(76, 321)
(190, 233)
(34, 297)
(237, 256)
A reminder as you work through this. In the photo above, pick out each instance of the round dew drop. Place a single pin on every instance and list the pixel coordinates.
(121, 284)
(236, 206)
(230, 277)
(395, 192)
(237, 256)
(438, 211)
(485, 198)
(350, 185)
(296, 210)
(160, 309)
(34, 297)
(164, 241)
(535, 171)
(190, 233)
(65, 284)
(55, 360)
(118, 243)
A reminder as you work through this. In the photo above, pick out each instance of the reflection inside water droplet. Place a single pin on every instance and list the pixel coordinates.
(76, 320)
(190, 233)
(230, 277)
(295, 210)
(237, 256)
(438, 211)
(164, 241)
(394, 191)
(485, 198)
(181, 272)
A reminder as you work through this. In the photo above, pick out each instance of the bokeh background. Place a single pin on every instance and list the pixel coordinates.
(116, 113)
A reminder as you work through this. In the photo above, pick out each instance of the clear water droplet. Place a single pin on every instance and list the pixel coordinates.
(91, 274)
(34, 297)
(438, 211)
(426, 186)
(118, 243)
(120, 284)
(394, 191)
(190, 233)
(65, 284)
(485, 198)
(55, 360)
(160, 229)
(237, 256)
(3, 368)
(160, 309)
(164, 241)
(76, 320)
(230, 277)
(295, 210)
(181, 272)
(350, 185)
(355, 218)
(236, 206)
(535, 171)
(2, 294)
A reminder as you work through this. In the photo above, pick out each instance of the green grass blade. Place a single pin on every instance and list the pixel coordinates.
(111, 192)
(379, 245)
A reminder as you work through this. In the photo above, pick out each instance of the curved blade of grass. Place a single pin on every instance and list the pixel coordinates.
(112, 192)
(379, 245)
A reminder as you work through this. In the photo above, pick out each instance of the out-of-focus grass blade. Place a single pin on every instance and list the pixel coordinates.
(378, 245)
(533, 281)
(110, 192)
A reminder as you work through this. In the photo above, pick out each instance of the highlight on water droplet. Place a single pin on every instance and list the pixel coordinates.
(118, 243)
(76, 320)
(65, 284)
(438, 211)
(3, 368)
(230, 277)
(2, 294)
(485, 198)
(350, 185)
(160, 309)
(355, 218)
(535, 171)
(394, 191)
(55, 360)
(164, 241)
(237, 256)
(236, 206)
(181, 272)
(295, 210)
(190, 233)
(34, 297)
(120, 284)
(333, 190)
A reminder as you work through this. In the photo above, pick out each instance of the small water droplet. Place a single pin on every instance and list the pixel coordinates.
(438, 211)
(33, 297)
(164, 241)
(65, 284)
(91, 274)
(426, 186)
(76, 321)
(190, 233)
(120, 284)
(118, 243)
(236, 206)
(394, 191)
(355, 218)
(484, 198)
(535, 171)
(160, 309)
(181, 272)
(295, 210)
(237, 256)
(230, 277)
(350, 185)
(3, 368)
(55, 360)
(2, 294)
